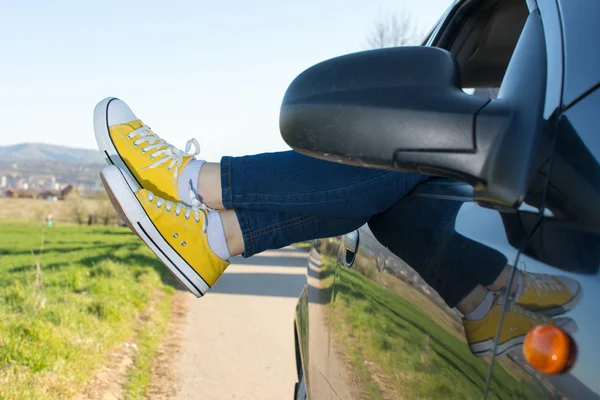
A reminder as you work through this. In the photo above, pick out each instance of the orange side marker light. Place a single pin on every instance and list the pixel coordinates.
(549, 349)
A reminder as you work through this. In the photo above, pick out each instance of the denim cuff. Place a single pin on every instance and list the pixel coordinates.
(259, 235)
(226, 193)
(249, 246)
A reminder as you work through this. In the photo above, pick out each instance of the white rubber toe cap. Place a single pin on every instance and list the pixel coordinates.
(119, 113)
(566, 324)
(570, 284)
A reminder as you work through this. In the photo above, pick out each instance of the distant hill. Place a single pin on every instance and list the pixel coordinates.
(49, 152)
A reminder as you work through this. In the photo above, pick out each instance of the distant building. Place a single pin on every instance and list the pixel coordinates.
(3, 181)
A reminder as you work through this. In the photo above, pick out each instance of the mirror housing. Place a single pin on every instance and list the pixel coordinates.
(403, 108)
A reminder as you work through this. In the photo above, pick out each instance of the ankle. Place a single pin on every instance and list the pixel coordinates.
(209, 185)
(482, 308)
(503, 279)
(233, 232)
(472, 300)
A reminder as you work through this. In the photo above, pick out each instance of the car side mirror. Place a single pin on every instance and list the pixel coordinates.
(403, 108)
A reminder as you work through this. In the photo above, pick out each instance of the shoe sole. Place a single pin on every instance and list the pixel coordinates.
(106, 145)
(131, 211)
(486, 348)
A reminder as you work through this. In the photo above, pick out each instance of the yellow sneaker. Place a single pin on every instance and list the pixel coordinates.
(481, 334)
(147, 161)
(174, 232)
(547, 294)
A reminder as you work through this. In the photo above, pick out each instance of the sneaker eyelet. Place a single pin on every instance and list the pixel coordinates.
(183, 243)
(175, 235)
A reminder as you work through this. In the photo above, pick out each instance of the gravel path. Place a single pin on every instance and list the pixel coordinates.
(237, 341)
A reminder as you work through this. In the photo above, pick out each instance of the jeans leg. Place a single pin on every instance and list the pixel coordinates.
(421, 232)
(289, 182)
(264, 230)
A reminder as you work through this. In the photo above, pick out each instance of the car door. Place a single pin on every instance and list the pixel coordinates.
(565, 240)
(313, 321)
(397, 333)
(399, 337)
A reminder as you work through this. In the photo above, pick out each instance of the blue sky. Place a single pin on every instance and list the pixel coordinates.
(216, 71)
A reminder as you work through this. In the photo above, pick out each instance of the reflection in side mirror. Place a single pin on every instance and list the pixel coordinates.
(403, 108)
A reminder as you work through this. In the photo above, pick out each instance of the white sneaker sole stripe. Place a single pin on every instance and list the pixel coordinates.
(483, 348)
(106, 145)
(132, 212)
(486, 347)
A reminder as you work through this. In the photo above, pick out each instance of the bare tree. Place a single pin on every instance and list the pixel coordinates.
(77, 207)
(107, 212)
(392, 30)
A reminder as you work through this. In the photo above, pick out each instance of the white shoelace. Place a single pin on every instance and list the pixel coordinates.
(164, 152)
(195, 209)
(540, 282)
(526, 313)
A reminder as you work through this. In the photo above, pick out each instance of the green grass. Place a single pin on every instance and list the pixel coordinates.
(149, 338)
(57, 327)
(305, 246)
(395, 347)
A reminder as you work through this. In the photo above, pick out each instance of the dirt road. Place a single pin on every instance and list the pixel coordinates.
(238, 340)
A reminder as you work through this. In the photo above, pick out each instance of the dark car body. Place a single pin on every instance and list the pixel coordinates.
(369, 326)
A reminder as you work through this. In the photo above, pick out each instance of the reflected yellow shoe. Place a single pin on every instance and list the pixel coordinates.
(147, 161)
(548, 294)
(174, 232)
(517, 322)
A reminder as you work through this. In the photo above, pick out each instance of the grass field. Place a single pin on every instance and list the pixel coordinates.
(74, 210)
(59, 321)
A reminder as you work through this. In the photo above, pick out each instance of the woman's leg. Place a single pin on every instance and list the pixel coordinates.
(283, 198)
(291, 183)
(422, 233)
(264, 230)
(249, 232)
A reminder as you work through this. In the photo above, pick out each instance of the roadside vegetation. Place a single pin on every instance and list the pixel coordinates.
(69, 295)
(75, 209)
(304, 246)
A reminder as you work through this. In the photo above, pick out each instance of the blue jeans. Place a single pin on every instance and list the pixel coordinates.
(284, 198)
